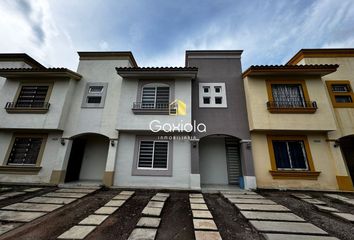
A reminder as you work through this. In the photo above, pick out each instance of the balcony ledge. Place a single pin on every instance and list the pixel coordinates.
(25, 170)
(300, 175)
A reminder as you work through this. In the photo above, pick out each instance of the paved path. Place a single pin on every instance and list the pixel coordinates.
(273, 220)
(148, 224)
(89, 224)
(204, 225)
(26, 211)
(323, 207)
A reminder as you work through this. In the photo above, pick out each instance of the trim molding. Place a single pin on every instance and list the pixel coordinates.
(25, 170)
(345, 183)
(301, 175)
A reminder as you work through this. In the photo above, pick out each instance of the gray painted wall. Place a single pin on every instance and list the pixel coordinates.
(213, 165)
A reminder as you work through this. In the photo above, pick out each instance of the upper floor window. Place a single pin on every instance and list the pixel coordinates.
(212, 95)
(31, 98)
(289, 97)
(95, 95)
(341, 93)
(155, 97)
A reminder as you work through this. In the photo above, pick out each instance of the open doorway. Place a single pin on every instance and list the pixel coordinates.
(220, 162)
(346, 145)
(87, 159)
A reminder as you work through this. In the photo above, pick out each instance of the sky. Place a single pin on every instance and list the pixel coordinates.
(158, 32)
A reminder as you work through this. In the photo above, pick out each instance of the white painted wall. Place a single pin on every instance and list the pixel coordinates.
(180, 173)
(48, 160)
(127, 120)
(94, 159)
(49, 120)
(212, 161)
(96, 120)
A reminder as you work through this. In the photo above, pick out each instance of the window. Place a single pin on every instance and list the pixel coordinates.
(289, 97)
(218, 100)
(26, 150)
(290, 157)
(341, 93)
(153, 155)
(155, 97)
(206, 100)
(214, 97)
(95, 89)
(95, 95)
(31, 97)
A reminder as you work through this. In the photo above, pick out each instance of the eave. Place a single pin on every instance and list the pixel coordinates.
(39, 73)
(290, 70)
(320, 53)
(158, 72)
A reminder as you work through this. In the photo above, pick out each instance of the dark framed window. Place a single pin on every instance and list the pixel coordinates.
(153, 155)
(218, 100)
(290, 95)
(290, 155)
(25, 150)
(32, 96)
(206, 100)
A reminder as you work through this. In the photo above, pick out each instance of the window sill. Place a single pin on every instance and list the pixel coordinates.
(26, 170)
(305, 175)
(140, 111)
(27, 110)
(292, 110)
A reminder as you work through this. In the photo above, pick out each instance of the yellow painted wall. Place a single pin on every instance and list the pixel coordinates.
(322, 159)
(261, 119)
(345, 116)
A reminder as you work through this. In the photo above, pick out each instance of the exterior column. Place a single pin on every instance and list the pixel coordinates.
(110, 163)
(249, 178)
(61, 163)
(195, 174)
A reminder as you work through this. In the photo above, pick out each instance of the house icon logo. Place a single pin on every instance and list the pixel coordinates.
(177, 108)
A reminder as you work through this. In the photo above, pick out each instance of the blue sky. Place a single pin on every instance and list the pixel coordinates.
(159, 31)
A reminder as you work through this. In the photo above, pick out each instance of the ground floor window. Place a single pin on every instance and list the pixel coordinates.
(153, 155)
(290, 153)
(26, 150)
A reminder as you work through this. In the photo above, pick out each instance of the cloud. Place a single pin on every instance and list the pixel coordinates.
(28, 26)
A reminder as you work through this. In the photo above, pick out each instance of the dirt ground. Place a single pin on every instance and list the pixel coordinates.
(334, 226)
(176, 218)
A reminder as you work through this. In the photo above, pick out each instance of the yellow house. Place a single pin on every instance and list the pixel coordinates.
(339, 89)
(293, 125)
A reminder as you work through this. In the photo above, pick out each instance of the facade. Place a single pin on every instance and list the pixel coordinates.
(203, 125)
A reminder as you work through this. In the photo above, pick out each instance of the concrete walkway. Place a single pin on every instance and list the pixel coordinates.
(148, 224)
(204, 225)
(273, 220)
(23, 212)
(323, 207)
(89, 224)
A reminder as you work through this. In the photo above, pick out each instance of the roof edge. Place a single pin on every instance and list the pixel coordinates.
(21, 57)
(108, 55)
(317, 69)
(13, 72)
(320, 53)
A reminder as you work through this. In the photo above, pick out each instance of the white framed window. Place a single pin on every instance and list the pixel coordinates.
(155, 96)
(95, 95)
(212, 95)
(153, 155)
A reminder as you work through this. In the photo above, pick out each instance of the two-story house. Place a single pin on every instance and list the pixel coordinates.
(35, 108)
(290, 118)
(339, 91)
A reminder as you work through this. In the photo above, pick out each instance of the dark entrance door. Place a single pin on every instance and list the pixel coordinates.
(347, 146)
(75, 160)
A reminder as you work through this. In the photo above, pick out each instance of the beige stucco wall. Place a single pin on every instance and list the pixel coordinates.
(48, 160)
(261, 119)
(322, 159)
(345, 116)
